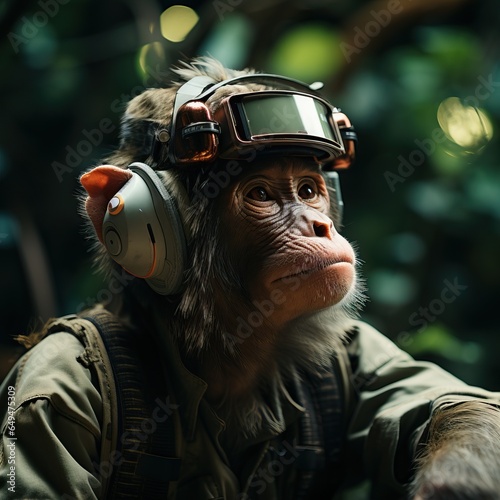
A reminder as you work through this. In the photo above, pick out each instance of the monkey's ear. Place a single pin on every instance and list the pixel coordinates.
(101, 184)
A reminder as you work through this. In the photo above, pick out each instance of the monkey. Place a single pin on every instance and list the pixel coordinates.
(261, 304)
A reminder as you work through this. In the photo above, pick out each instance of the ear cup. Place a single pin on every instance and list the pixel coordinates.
(143, 232)
(332, 181)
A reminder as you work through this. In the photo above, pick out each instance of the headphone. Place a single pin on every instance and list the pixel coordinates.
(143, 231)
(142, 227)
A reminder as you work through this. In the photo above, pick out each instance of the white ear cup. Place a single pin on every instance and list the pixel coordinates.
(142, 231)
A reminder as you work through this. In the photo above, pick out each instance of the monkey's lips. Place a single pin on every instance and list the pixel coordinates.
(310, 267)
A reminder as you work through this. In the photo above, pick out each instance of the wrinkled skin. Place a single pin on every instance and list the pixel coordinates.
(278, 221)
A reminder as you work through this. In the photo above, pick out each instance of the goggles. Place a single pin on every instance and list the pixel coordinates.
(293, 121)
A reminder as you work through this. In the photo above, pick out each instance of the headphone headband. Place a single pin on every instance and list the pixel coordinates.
(268, 79)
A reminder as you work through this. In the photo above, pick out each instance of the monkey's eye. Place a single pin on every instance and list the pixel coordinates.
(308, 191)
(258, 193)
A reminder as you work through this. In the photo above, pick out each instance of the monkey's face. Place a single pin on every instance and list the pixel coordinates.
(288, 253)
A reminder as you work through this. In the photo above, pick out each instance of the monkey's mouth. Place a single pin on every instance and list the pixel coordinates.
(311, 267)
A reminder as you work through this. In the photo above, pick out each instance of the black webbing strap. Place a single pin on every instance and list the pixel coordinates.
(145, 461)
(320, 435)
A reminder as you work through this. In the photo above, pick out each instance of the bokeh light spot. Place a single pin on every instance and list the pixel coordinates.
(391, 288)
(177, 21)
(307, 52)
(149, 55)
(467, 126)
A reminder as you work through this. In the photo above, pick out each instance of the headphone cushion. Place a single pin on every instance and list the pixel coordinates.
(143, 231)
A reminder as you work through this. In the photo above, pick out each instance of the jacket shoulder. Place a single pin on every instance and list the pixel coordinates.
(368, 349)
(54, 370)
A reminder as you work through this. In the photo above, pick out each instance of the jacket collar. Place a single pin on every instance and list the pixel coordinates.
(189, 391)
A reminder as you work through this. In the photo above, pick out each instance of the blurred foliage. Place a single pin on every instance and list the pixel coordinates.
(422, 201)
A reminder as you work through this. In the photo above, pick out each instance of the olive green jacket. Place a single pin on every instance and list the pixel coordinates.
(51, 403)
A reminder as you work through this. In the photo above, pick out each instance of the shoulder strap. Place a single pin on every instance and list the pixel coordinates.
(138, 445)
(144, 461)
(342, 368)
(320, 434)
(327, 395)
(95, 355)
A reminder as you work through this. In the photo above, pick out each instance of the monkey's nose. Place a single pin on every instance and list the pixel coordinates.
(323, 229)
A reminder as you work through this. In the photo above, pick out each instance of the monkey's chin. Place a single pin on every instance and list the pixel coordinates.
(306, 292)
(328, 286)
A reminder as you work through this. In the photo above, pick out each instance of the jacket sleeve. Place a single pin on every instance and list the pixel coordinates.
(394, 399)
(50, 433)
